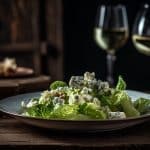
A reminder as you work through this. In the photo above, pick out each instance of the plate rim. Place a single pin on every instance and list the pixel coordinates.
(65, 120)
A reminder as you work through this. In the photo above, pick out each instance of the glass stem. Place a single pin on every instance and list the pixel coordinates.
(110, 67)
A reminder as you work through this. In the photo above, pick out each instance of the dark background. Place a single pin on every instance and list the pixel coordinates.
(31, 31)
(82, 54)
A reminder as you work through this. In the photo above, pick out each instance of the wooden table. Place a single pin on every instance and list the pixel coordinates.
(15, 136)
(9, 87)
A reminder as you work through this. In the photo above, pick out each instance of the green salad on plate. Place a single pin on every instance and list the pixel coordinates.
(85, 98)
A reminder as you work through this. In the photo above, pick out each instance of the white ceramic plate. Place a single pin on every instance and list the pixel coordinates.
(11, 106)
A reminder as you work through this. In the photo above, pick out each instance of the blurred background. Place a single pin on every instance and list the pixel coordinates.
(55, 37)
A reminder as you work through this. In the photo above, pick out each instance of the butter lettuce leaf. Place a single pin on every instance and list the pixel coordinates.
(65, 112)
(142, 105)
(121, 84)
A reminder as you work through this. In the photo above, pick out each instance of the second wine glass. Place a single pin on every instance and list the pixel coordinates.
(111, 32)
(141, 30)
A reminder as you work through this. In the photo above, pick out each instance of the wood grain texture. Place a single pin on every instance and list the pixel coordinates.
(16, 18)
(19, 47)
(21, 21)
(54, 28)
(15, 134)
(9, 87)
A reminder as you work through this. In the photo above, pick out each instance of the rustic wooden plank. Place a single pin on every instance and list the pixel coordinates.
(24, 81)
(54, 28)
(36, 39)
(7, 84)
(5, 126)
(9, 87)
(17, 47)
(33, 84)
(16, 134)
(21, 19)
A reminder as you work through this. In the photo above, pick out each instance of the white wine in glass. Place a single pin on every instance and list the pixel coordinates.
(110, 39)
(142, 43)
(111, 32)
(141, 31)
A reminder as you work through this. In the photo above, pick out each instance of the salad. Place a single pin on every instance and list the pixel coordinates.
(84, 98)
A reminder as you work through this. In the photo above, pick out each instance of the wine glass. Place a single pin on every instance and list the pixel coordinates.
(141, 30)
(111, 32)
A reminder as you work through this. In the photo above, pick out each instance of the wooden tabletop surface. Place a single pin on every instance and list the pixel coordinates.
(9, 87)
(16, 135)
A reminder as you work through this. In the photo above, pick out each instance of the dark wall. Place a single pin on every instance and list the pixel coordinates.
(82, 54)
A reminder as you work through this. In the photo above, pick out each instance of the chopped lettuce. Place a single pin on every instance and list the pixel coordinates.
(39, 110)
(65, 112)
(85, 98)
(121, 85)
(93, 111)
(57, 84)
(142, 105)
(127, 106)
